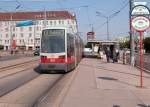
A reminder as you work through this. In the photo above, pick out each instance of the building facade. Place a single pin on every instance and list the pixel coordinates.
(28, 37)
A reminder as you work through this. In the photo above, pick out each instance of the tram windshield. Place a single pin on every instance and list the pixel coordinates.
(53, 41)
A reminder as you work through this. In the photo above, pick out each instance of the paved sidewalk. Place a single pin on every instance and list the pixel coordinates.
(101, 84)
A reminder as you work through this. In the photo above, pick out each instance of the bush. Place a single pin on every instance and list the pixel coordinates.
(147, 44)
(1, 47)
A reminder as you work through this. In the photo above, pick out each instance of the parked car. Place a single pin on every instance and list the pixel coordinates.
(37, 52)
(87, 52)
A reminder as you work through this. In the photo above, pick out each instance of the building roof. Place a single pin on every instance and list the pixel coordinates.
(36, 15)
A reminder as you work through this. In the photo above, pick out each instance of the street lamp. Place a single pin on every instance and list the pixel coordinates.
(11, 19)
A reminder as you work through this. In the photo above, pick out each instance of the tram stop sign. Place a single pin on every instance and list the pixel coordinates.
(140, 23)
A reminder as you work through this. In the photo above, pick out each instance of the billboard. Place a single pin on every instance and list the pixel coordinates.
(25, 23)
(90, 35)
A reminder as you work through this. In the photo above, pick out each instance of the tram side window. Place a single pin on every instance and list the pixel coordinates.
(70, 45)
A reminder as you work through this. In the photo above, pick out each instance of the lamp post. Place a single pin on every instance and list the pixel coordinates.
(11, 19)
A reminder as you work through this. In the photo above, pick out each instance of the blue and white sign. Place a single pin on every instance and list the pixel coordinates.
(25, 23)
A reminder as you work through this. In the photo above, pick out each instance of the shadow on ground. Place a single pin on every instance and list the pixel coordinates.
(116, 80)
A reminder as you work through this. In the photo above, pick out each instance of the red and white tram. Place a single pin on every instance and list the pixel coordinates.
(60, 50)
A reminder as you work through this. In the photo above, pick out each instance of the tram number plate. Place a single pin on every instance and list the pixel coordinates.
(51, 66)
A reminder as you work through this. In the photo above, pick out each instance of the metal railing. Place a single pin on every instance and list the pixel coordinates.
(125, 57)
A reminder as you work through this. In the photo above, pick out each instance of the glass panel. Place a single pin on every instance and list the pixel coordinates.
(53, 41)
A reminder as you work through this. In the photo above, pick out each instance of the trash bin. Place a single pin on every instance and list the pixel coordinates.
(124, 57)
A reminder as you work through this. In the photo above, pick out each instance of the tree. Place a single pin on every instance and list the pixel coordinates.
(125, 44)
(88, 45)
(147, 44)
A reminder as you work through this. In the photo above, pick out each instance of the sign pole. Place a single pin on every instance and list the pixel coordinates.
(141, 59)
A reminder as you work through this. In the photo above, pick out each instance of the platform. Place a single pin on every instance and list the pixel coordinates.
(101, 84)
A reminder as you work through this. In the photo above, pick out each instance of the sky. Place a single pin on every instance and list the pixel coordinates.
(89, 13)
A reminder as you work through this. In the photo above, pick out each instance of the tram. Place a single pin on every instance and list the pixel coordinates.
(61, 50)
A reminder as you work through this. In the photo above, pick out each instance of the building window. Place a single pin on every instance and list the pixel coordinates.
(6, 23)
(36, 22)
(21, 29)
(30, 28)
(6, 35)
(62, 22)
(59, 21)
(13, 35)
(43, 22)
(13, 28)
(31, 40)
(51, 23)
(6, 29)
(30, 35)
(54, 22)
(37, 28)
(21, 35)
(23, 41)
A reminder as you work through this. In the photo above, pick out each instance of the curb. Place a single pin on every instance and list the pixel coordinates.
(65, 89)
(57, 93)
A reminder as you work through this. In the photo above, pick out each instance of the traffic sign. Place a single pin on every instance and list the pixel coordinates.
(140, 23)
(139, 3)
(140, 10)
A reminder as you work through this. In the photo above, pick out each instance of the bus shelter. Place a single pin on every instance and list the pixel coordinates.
(101, 45)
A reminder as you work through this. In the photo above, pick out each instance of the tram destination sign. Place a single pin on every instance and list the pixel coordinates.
(140, 23)
(54, 32)
(140, 10)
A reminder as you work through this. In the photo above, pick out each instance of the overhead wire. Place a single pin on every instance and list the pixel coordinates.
(114, 14)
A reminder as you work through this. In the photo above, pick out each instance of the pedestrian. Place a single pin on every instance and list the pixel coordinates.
(117, 55)
(107, 52)
(114, 55)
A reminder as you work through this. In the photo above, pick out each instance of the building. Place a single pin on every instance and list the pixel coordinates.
(28, 37)
(123, 39)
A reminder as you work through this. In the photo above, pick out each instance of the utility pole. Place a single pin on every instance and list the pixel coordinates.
(107, 28)
(11, 25)
(131, 34)
(45, 19)
(107, 21)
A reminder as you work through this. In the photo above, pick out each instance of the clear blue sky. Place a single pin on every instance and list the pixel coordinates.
(85, 11)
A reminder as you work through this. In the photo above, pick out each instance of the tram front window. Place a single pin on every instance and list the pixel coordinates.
(53, 41)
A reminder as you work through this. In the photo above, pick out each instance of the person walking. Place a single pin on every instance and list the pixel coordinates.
(114, 55)
(117, 55)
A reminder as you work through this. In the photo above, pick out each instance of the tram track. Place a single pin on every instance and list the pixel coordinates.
(15, 75)
(27, 94)
(5, 68)
(12, 82)
(18, 69)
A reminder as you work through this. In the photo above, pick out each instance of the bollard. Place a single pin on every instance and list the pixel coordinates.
(124, 57)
